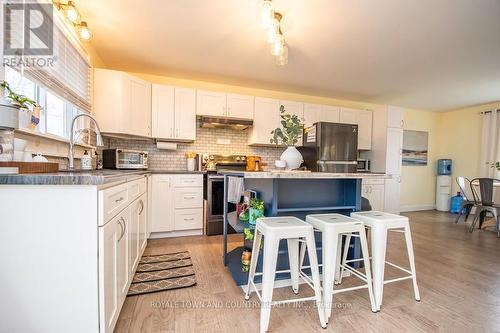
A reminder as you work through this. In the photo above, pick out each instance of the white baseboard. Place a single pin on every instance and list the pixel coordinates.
(179, 233)
(415, 208)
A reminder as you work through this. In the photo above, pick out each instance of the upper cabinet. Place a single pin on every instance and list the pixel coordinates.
(212, 103)
(395, 117)
(173, 113)
(362, 118)
(314, 113)
(122, 103)
(266, 119)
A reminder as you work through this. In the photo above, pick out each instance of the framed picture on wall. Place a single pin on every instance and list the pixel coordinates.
(415, 146)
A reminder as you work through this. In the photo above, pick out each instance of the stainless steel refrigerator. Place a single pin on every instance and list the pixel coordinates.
(330, 147)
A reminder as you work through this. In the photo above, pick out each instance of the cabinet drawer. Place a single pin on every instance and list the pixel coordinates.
(185, 219)
(188, 180)
(372, 181)
(136, 188)
(112, 201)
(188, 198)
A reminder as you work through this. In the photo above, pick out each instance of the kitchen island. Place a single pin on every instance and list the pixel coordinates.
(293, 193)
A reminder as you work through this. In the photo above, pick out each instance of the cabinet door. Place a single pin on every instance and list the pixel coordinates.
(292, 107)
(162, 220)
(188, 219)
(240, 106)
(210, 103)
(149, 205)
(266, 119)
(123, 219)
(364, 121)
(394, 151)
(162, 111)
(185, 114)
(133, 237)
(139, 108)
(348, 116)
(108, 101)
(392, 195)
(143, 213)
(395, 117)
(312, 114)
(108, 275)
(330, 113)
(377, 197)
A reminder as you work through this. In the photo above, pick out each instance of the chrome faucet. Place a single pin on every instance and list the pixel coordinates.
(99, 142)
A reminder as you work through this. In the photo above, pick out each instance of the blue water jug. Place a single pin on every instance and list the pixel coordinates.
(444, 167)
(456, 203)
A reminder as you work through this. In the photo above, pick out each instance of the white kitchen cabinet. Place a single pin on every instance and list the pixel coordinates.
(364, 121)
(330, 113)
(394, 151)
(373, 190)
(395, 117)
(177, 202)
(348, 116)
(149, 205)
(185, 114)
(392, 195)
(173, 113)
(210, 103)
(240, 106)
(162, 204)
(109, 242)
(314, 113)
(122, 103)
(133, 237)
(266, 119)
(294, 108)
(123, 255)
(143, 216)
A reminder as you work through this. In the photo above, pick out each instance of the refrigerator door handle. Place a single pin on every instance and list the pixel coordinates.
(337, 162)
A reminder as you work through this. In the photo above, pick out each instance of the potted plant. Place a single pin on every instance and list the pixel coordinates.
(18, 104)
(256, 210)
(289, 134)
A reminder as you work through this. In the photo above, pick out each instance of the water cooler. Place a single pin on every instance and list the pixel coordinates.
(443, 185)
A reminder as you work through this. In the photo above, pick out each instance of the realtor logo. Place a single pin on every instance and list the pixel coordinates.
(28, 29)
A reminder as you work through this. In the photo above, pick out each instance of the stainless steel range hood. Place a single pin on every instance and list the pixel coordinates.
(220, 122)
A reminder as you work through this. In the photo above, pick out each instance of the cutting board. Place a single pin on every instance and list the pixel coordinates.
(32, 167)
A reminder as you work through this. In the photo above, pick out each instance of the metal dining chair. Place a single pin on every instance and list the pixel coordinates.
(484, 201)
(467, 204)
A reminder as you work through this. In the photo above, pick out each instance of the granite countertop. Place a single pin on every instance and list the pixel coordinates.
(94, 177)
(308, 174)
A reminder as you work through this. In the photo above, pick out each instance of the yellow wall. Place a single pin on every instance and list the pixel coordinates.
(418, 183)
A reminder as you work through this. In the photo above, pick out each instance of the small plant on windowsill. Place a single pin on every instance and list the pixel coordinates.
(28, 118)
(20, 100)
(496, 165)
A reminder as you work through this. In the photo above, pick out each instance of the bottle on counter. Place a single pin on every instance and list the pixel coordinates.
(86, 161)
(98, 161)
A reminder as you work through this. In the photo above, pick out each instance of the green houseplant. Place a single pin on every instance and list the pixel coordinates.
(18, 104)
(289, 134)
(256, 210)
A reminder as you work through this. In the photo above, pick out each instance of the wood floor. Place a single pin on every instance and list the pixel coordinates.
(458, 274)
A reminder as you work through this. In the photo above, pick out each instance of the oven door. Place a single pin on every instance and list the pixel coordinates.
(215, 206)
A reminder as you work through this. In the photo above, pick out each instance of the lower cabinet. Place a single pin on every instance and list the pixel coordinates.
(122, 240)
(373, 190)
(177, 202)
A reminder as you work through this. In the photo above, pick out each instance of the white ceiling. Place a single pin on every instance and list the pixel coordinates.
(425, 54)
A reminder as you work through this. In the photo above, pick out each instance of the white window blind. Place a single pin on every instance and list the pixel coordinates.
(69, 75)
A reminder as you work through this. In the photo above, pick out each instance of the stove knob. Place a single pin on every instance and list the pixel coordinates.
(237, 158)
(243, 158)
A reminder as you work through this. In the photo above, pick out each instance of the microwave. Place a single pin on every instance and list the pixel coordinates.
(363, 165)
(124, 159)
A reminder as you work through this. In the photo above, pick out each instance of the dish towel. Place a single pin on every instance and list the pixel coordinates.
(235, 188)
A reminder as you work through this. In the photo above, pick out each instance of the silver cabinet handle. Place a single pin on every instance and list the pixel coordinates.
(190, 219)
(191, 197)
(142, 207)
(123, 226)
(189, 181)
(119, 199)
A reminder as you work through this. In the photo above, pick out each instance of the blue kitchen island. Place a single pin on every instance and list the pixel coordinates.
(292, 193)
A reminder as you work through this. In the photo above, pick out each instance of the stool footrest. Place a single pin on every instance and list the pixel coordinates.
(357, 273)
(399, 267)
(342, 290)
(398, 279)
(295, 300)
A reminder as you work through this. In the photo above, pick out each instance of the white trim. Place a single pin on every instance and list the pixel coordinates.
(179, 233)
(415, 208)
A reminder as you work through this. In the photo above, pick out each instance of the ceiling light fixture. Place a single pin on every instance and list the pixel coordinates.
(73, 16)
(266, 13)
(271, 22)
(274, 28)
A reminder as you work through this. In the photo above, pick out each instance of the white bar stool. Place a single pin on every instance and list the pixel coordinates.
(294, 231)
(380, 223)
(333, 227)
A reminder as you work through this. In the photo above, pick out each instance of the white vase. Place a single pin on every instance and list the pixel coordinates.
(292, 157)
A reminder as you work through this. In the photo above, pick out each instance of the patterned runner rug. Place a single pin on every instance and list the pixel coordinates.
(163, 272)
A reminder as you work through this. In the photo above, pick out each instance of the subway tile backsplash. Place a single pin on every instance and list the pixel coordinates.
(208, 140)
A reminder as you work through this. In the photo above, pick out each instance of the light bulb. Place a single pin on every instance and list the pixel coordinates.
(277, 45)
(84, 32)
(282, 58)
(266, 13)
(272, 31)
(71, 12)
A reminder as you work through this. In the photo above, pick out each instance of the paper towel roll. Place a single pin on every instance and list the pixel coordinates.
(166, 145)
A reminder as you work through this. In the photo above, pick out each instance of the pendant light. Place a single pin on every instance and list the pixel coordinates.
(266, 13)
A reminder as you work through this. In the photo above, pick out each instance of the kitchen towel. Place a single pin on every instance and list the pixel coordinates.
(235, 188)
